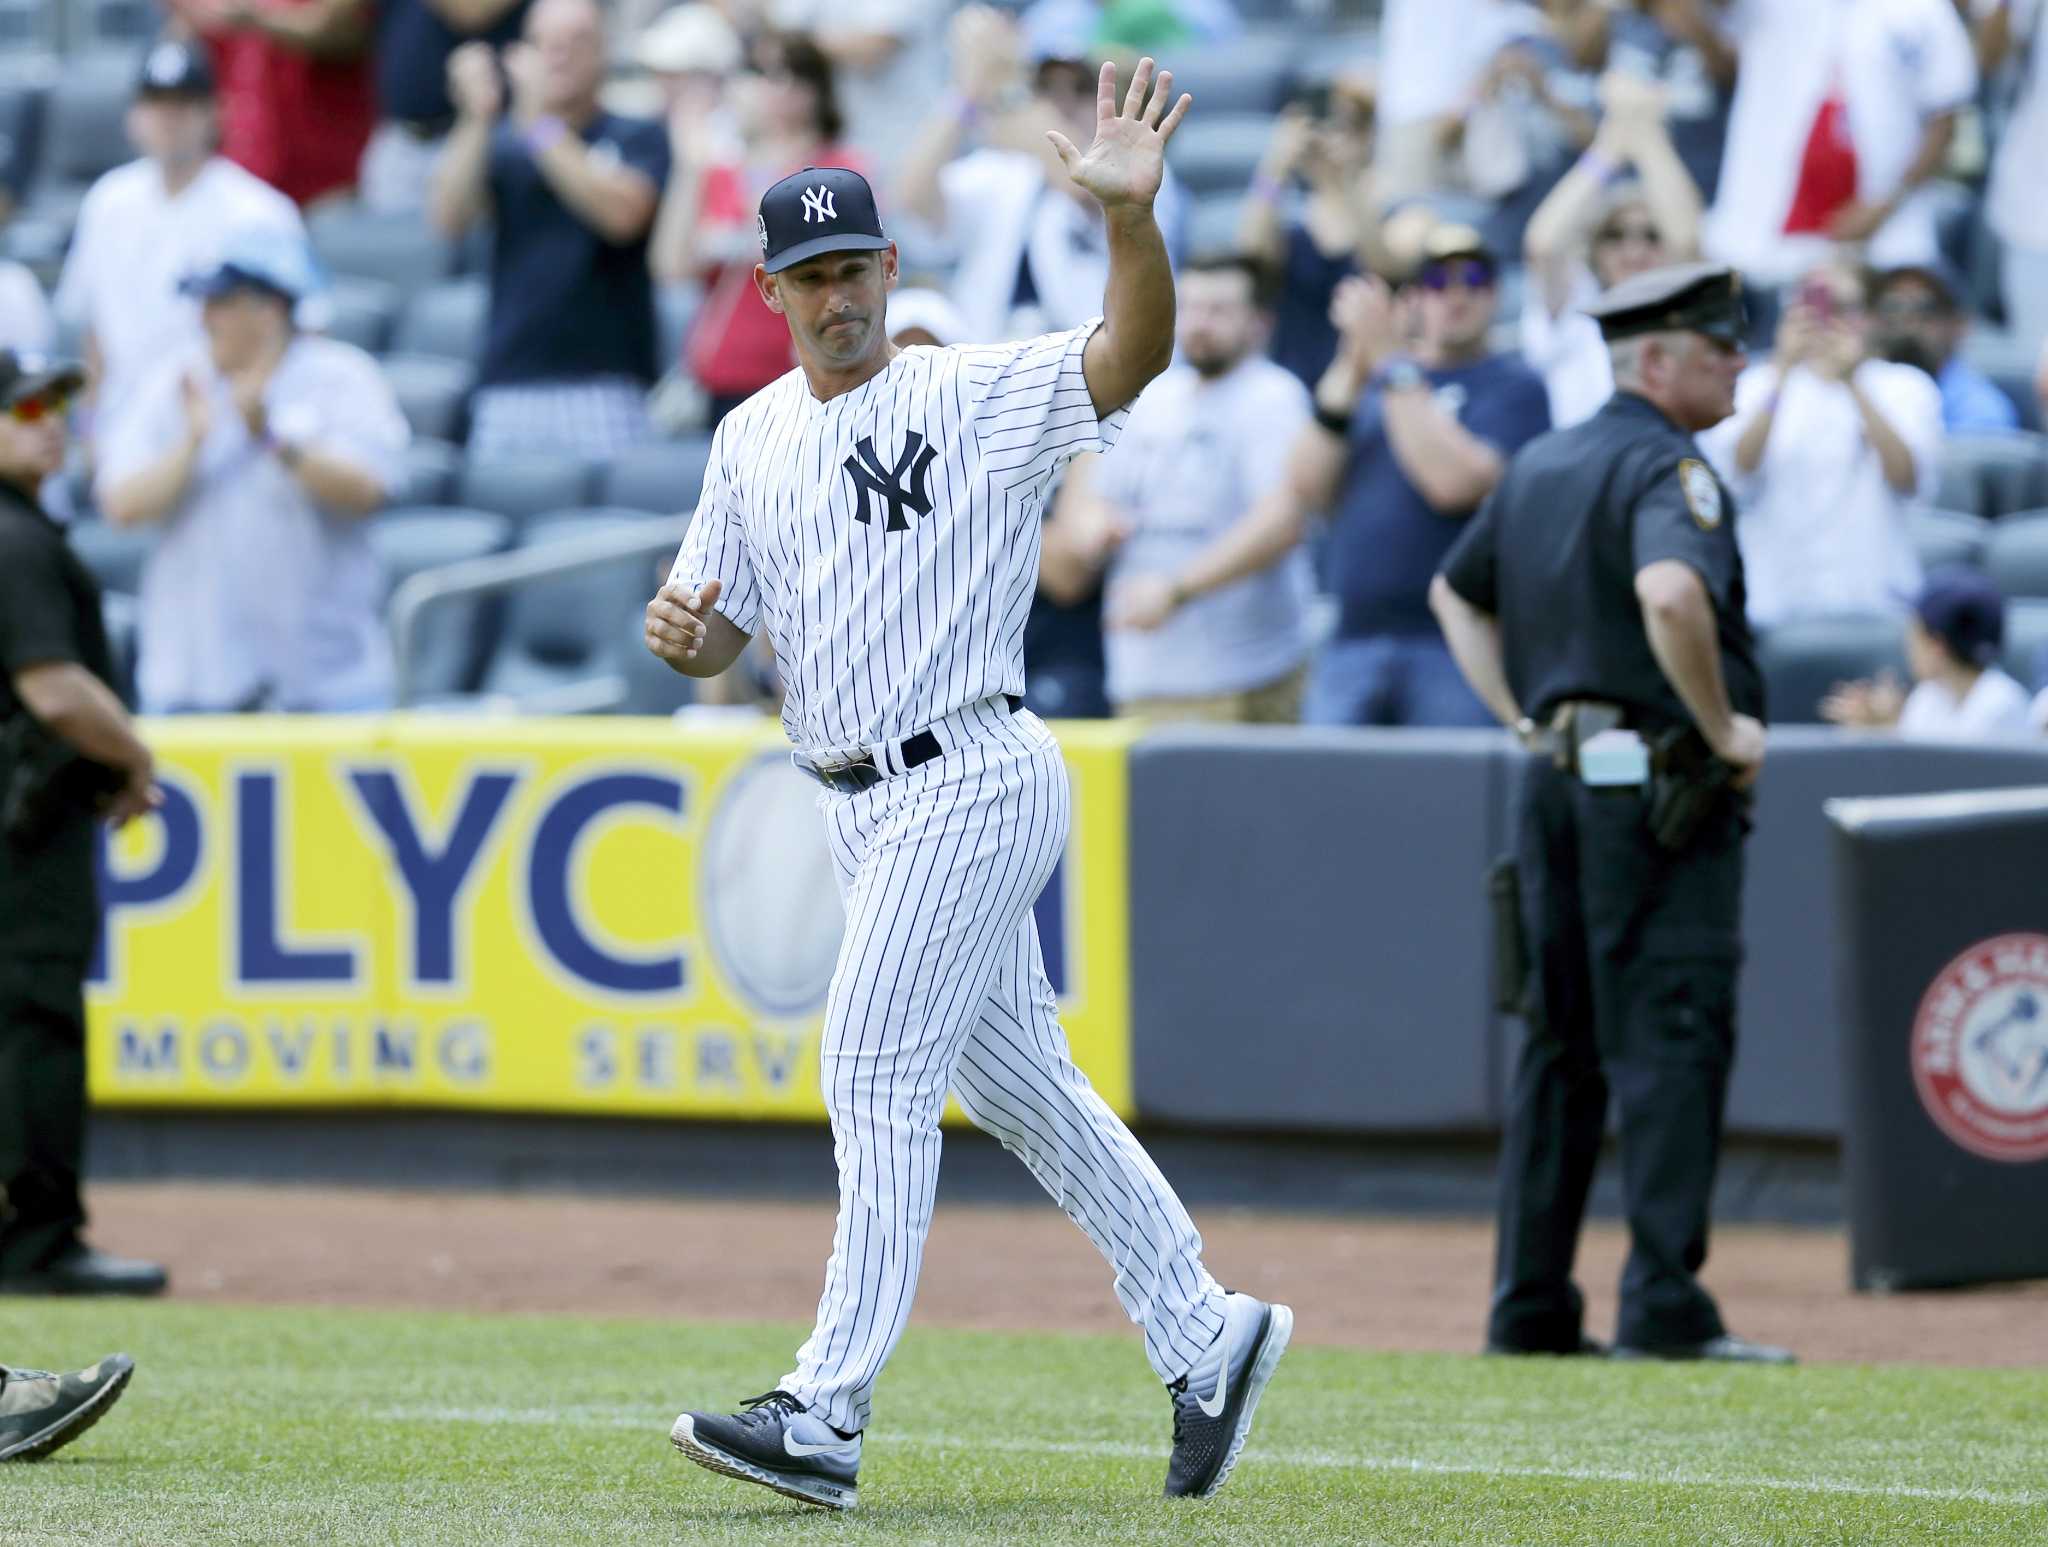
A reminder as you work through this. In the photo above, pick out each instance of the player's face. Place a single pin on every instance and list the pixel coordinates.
(172, 131)
(835, 305)
(1219, 321)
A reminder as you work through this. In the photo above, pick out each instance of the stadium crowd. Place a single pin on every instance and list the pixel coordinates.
(392, 282)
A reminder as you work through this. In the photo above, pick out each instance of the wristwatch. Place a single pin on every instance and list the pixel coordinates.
(1399, 374)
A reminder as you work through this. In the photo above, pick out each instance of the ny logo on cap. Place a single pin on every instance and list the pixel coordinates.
(165, 65)
(818, 204)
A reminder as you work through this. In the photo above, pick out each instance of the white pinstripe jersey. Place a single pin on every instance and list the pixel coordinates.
(888, 539)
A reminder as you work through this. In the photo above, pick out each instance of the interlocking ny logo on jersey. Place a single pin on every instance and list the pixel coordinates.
(818, 205)
(865, 468)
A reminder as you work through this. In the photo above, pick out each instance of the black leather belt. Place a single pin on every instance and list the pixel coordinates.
(862, 774)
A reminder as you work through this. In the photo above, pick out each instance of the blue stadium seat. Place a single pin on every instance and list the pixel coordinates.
(115, 554)
(446, 319)
(526, 487)
(432, 470)
(578, 630)
(1217, 153)
(2026, 642)
(22, 105)
(1802, 662)
(661, 478)
(357, 311)
(1249, 73)
(122, 616)
(433, 392)
(86, 130)
(2017, 555)
(402, 250)
(453, 640)
(1212, 228)
(1944, 537)
(1993, 475)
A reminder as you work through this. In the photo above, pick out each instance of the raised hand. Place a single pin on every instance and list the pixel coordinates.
(1127, 160)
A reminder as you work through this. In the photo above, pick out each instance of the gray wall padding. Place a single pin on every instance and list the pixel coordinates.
(1310, 946)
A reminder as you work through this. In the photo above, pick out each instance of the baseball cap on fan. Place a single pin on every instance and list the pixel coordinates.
(818, 210)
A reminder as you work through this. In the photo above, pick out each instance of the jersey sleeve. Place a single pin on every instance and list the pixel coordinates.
(1683, 513)
(1472, 567)
(715, 547)
(1032, 411)
(36, 625)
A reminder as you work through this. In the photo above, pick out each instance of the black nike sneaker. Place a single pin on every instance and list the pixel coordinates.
(1213, 1403)
(778, 1443)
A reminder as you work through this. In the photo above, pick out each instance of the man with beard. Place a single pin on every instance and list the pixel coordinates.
(1207, 444)
(1919, 321)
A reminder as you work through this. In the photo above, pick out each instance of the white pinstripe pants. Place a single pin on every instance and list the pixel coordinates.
(940, 984)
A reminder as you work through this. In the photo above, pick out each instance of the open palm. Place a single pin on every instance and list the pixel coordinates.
(1128, 158)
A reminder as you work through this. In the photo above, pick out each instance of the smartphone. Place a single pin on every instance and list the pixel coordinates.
(1819, 298)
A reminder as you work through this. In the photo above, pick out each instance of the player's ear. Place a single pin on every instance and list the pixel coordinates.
(770, 287)
(892, 267)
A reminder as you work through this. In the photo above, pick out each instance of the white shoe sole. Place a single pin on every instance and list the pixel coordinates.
(1263, 1365)
(811, 1490)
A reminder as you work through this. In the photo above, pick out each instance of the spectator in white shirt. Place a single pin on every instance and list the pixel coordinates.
(1826, 450)
(1953, 641)
(143, 227)
(2016, 31)
(1596, 229)
(1032, 253)
(257, 456)
(1207, 443)
(1844, 109)
(1433, 54)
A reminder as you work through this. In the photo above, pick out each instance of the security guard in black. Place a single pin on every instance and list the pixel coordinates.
(68, 759)
(1600, 590)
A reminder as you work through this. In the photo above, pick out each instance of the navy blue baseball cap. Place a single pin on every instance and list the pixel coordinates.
(1963, 609)
(174, 68)
(818, 210)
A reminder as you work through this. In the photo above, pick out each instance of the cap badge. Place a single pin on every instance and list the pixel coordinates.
(1702, 492)
(818, 205)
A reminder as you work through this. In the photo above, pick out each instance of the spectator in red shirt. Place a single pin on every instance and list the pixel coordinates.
(297, 102)
(788, 115)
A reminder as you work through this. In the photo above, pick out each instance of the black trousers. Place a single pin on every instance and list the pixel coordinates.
(1633, 958)
(42, 1108)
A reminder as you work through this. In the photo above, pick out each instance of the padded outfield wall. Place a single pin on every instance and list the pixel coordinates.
(1279, 931)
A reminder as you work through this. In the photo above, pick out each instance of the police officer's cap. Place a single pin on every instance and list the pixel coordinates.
(1681, 297)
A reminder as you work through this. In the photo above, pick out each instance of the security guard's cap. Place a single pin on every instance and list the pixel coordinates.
(1686, 297)
(25, 376)
(818, 210)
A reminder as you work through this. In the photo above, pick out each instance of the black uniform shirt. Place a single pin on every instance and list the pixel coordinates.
(49, 612)
(1554, 553)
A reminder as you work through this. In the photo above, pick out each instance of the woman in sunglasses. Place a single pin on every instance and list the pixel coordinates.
(1627, 206)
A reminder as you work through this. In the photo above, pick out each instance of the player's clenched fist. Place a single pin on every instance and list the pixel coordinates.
(675, 619)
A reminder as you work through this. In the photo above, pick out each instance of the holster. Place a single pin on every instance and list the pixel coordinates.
(1510, 940)
(1688, 786)
(44, 780)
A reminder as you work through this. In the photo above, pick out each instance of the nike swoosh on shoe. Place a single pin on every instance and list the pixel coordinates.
(797, 1447)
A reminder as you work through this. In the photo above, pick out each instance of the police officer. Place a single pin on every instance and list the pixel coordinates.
(68, 756)
(1596, 603)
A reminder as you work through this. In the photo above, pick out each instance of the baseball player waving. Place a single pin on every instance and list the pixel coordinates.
(877, 512)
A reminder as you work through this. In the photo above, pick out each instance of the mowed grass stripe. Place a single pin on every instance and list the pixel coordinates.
(285, 1426)
(1329, 1460)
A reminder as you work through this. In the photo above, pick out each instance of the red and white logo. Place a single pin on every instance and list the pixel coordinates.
(1980, 1049)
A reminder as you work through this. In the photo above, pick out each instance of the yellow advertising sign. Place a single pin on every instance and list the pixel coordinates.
(579, 915)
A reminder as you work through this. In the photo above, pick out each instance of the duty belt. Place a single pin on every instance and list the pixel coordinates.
(1593, 740)
(861, 773)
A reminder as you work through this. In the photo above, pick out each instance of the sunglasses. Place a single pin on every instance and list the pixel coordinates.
(43, 405)
(1614, 236)
(1472, 273)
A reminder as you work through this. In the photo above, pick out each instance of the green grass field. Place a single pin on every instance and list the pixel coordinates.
(284, 1426)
